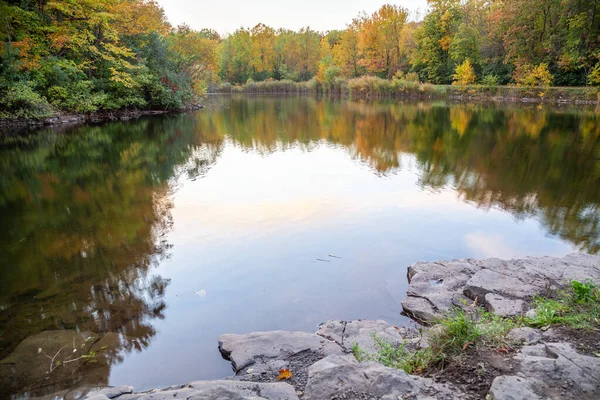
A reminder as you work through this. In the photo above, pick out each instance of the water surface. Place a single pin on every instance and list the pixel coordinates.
(272, 213)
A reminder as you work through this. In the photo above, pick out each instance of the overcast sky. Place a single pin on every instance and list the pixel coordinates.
(225, 16)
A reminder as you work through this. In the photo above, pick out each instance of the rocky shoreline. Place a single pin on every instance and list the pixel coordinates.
(15, 126)
(549, 363)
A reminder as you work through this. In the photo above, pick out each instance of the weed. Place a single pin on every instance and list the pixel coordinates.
(577, 306)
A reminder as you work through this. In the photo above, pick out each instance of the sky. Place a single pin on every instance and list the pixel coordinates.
(225, 16)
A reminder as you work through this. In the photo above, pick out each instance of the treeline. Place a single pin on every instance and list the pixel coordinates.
(524, 42)
(90, 55)
(93, 55)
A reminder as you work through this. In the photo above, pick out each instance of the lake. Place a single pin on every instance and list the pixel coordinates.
(265, 213)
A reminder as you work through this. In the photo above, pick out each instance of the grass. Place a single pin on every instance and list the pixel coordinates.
(577, 306)
(453, 335)
(375, 87)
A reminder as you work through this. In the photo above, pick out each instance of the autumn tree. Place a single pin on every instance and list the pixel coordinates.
(464, 75)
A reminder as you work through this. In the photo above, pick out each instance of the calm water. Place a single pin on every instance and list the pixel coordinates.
(173, 230)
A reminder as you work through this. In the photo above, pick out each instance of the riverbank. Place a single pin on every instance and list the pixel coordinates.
(486, 315)
(373, 87)
(14, 126)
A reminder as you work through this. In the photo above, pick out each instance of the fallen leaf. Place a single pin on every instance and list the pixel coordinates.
(465, 346)
(502, 350)
(284, 374)
(475, 301)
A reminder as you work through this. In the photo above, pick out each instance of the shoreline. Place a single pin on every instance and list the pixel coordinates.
(542, 362)
(452, 94)
(15, 126)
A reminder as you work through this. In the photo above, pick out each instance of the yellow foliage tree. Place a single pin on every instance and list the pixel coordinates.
(528, 75)
(464, 74)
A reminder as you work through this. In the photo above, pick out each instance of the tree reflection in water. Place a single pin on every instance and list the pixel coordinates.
(84, 218)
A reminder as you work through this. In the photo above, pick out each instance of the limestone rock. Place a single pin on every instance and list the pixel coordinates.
(489, 281)
(220, 389)
(110, 392)
(360, 332)
(560, 366)
(343, 377)
(524, 334)
(502, 306)
(241, 390)
(261, 347)
(504, 285)
(511, 387)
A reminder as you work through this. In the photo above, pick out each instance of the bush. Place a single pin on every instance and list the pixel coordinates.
(330, 75)
(594, 76)
(465, 74)
(490, 80)
(19, 100)
(528, 75)
(75, 97)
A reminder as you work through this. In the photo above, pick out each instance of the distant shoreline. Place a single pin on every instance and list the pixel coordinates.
(377, 88)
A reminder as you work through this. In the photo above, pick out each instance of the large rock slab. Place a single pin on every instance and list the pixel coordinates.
(362, 333)
(549, 371)
(504, 307)
(210, 390)
(568, 374)
(259, 348)
(509, 387)
(505, 286)
(342, 377)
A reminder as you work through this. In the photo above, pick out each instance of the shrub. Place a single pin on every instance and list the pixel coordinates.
(412, 77)
(465, 74)
(528, 75)
(330, 75)
(19, 100)
(490, 80)
(594, 75)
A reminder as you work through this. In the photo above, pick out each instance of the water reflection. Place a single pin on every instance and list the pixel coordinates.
(87, 214)
(522, 159)
(84, 218)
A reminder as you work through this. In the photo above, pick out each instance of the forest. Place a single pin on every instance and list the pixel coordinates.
(90, 55)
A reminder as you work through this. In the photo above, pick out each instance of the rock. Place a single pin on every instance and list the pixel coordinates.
(361, 332)
(110, 392)
(98, 397)
(489, 281)
(241, 390)
(28, 366)
(261, 347)
(220, 389)
(530, 314)
(343, 377)
(525, 334)
(502, 306)
(436, 287)
(420, 309)
(558, 364)
(513, 388)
